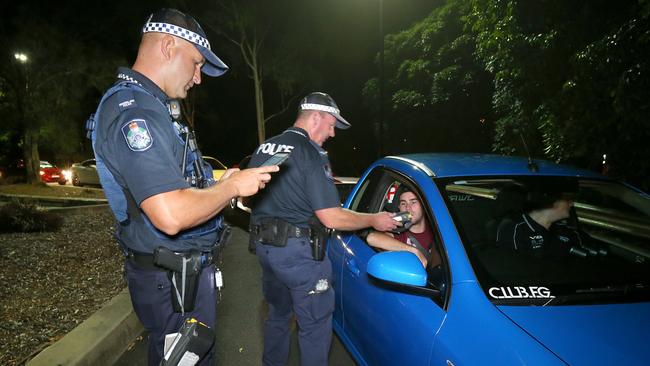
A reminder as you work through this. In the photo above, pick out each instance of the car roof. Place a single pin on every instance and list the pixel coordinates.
(466, 164)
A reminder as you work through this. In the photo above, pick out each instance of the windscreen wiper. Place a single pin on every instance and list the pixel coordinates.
(601, 294)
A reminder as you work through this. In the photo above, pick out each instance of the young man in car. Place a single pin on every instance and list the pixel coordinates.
(542, 229)
(418, 239)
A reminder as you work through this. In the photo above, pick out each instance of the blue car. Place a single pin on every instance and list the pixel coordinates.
(485, 300)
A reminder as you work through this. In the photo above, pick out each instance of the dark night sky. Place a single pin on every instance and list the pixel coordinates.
(347, 34)
(341, 41)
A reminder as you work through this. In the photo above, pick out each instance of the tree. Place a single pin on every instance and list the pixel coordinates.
(439, 95)
(42, 88)
(247, 28)
(570, 76)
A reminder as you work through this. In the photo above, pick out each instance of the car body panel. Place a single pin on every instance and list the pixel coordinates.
(85, 173)
(218, 168)
(48, 172)
(363, 324)
(387, 325)
(458, 165)
(558, 327)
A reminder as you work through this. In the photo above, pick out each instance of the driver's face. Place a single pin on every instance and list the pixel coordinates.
(408, 201)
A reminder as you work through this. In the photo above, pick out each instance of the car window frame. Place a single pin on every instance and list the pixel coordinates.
(385, 177)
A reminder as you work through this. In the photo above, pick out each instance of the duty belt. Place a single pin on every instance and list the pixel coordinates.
(298, 232)
(146, 260)
(292, 230)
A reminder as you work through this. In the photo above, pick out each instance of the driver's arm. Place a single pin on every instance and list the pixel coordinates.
(386, 241)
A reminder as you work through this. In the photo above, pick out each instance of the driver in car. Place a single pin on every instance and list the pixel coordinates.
(417, 239)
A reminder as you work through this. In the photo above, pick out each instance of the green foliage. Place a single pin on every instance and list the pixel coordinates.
(26, 217)
(433, 81)
(571, 77)
(563, 80)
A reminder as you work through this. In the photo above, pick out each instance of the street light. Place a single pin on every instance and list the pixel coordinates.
(21, 57)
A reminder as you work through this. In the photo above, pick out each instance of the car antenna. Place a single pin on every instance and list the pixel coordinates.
(532, 166)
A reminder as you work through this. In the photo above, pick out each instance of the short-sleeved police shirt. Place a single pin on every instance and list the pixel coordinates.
(304, 183)
(137, 142)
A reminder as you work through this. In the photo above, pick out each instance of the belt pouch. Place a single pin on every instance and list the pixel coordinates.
(274, 232)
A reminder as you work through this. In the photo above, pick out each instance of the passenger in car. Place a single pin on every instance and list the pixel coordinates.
(544, 229)
(418, 239)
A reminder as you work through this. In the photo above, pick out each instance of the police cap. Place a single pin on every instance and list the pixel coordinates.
(318, 101)
(172, 21)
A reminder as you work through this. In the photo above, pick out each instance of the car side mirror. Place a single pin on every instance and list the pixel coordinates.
(398, 267)
(401, 270)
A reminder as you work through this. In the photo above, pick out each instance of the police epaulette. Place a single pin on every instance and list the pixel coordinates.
(126, 99)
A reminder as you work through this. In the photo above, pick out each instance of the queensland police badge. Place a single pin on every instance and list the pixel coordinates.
(137, 135)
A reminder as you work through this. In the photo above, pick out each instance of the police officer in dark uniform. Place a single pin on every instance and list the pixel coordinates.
(159, 188)
(289, 225)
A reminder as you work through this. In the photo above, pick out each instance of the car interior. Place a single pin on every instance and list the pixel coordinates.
(381, 192)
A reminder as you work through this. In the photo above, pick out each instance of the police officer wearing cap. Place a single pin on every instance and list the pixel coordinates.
(289, 223)
(158, 187)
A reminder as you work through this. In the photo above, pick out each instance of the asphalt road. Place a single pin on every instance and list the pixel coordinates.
(241, 312)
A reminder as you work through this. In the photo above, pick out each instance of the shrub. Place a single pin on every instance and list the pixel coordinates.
(26, 217)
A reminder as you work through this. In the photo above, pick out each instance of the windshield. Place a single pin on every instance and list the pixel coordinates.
(553, 240)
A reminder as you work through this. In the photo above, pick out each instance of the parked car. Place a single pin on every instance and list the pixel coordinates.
(218, 168)
(84, 173)
(49, 172)
(487, 304)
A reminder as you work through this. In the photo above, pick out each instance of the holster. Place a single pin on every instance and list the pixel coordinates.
(184, 285)
(222, 241)
(319, 234)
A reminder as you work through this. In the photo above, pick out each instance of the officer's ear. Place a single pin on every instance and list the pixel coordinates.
(314, 119)
(167, 46)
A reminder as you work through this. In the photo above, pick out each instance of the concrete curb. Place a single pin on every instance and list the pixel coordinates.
(53, 198)
(99, 340)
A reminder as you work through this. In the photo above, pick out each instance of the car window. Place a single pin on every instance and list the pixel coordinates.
(597, 251)
(381, 191)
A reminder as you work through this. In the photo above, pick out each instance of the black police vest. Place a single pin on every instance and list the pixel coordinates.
(195, 171)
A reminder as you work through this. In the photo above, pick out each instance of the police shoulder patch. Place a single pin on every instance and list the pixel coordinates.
(137, 135)
(328, 171)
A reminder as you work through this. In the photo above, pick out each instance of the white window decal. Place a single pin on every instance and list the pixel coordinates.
(520, 292)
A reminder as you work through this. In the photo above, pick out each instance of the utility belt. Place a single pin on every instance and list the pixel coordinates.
(183, 269)
(275, 232)
(147, 260)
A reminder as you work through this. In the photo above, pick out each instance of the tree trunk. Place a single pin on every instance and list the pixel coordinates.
(31, 156)
(259, 106)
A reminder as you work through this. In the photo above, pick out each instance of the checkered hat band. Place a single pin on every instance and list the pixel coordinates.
(177, 31)
(319, 107)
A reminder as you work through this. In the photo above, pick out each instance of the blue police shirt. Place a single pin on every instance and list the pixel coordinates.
(137, 141)
(304, 183)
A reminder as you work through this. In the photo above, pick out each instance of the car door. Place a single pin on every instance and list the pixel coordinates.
(88, 172)
(93, 177)
(385, 326)
(84, 175)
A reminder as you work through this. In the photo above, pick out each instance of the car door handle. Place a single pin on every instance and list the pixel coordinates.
(351, 265)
